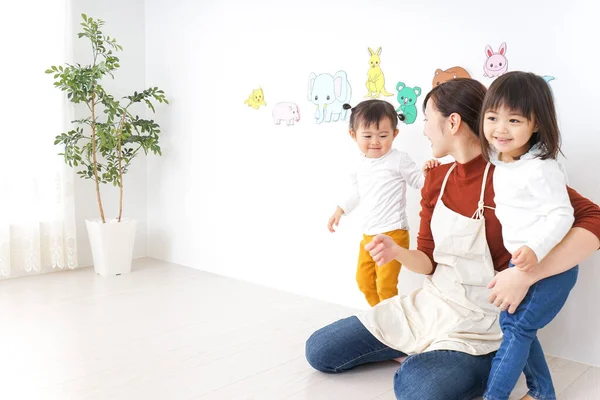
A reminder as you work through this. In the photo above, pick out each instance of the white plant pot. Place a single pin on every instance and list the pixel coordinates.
(112, 245)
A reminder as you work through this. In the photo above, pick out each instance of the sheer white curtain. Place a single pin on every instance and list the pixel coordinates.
(37, 207)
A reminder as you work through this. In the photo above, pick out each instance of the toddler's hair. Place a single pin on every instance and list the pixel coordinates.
(369, 112)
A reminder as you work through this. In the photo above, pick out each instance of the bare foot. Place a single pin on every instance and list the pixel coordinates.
(527, 397)
(400, 359)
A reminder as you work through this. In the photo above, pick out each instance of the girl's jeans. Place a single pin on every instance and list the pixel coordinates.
(520, 350)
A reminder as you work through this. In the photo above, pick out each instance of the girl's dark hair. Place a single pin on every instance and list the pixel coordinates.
(369, 112)
(462, 96)
(527, 94)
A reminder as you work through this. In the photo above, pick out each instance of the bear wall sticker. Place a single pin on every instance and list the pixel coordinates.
(407, 97)
(496, 64)
(375, 78)
(451, 73)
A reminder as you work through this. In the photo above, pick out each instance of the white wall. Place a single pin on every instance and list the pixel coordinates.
(174, 64)
(238, 196)
(125, 22)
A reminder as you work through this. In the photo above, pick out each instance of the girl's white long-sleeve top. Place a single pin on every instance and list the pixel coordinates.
(532, 202)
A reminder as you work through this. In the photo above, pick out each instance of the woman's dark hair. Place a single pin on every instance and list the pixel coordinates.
(369, 112)
(527, 94)
(462, 96)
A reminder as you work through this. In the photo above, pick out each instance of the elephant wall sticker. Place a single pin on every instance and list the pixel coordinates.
(329, 93)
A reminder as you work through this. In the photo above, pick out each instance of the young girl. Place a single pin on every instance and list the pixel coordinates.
(379, 183)
(521, 137)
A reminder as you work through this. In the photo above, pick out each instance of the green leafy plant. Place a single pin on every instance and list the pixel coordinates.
(102, 148)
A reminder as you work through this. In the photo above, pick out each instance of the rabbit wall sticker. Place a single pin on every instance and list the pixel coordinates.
(375, 79)
(496, 63)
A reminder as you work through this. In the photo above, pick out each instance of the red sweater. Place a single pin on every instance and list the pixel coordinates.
(462, 195)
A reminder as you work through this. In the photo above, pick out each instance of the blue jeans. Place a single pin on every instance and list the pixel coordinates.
(521, 350)
(434, 375)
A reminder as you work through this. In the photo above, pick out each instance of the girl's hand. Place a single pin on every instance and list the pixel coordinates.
(382, 248)
(430, 164)
(524, 258)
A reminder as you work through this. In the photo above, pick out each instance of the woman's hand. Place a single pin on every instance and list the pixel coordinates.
(509, 288)
(383, 249)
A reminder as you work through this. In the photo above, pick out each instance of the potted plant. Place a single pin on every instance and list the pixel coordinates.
(102, 146)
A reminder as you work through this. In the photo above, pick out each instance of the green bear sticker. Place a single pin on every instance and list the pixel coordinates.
(407, 97)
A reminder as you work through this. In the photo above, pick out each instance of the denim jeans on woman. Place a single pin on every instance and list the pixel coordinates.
(434, 375)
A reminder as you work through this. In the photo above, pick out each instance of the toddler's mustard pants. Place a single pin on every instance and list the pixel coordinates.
(379, 283)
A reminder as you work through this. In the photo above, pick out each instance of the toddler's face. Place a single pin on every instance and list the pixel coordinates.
(375, 141)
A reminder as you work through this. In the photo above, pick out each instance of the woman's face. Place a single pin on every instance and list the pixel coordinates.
(434, 130)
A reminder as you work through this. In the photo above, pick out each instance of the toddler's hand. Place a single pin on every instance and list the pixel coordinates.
(524, 258)
(382, 249)
(335, 219)
(431, 164)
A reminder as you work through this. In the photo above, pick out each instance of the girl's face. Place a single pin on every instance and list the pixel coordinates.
(509, 132)
(434, 130)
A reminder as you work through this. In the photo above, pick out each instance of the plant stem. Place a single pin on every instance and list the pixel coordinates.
(120, 155)
(94, 158)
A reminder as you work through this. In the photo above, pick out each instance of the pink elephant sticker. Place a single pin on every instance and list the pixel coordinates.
(286, 111)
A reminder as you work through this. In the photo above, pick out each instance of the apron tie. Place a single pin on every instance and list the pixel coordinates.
(478, 214)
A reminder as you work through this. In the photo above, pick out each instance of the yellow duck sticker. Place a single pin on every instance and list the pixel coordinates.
(256, 99)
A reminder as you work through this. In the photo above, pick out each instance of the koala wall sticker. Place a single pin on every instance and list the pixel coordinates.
(407, 97)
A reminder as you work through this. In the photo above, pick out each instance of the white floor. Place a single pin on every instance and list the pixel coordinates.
(170, 332)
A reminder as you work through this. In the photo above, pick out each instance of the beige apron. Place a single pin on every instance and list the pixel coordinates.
(451, 311)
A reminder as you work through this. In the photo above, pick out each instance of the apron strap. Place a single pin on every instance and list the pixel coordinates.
(445, 180)
(480, 206)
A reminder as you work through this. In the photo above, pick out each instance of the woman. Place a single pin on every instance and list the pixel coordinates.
(449, 327)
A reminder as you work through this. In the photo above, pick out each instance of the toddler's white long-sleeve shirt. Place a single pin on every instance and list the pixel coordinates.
(379, 185)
